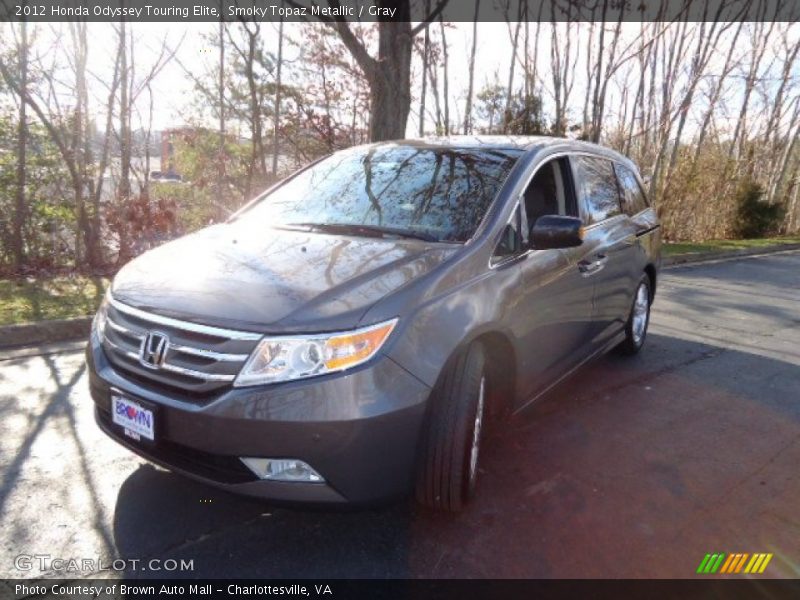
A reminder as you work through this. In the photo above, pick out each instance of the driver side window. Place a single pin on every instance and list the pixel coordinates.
(550, 192)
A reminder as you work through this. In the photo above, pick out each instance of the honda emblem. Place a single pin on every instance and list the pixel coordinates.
(153, 350)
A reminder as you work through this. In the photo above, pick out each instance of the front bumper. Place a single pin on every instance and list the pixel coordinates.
(358, 429)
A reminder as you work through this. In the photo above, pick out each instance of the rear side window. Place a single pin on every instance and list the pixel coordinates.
(633, 199)
(597, 187)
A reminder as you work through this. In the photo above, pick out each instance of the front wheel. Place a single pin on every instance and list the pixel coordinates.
(448, 464)
(638, 320)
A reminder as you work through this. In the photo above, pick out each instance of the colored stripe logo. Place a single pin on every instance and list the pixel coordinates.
(740, 562)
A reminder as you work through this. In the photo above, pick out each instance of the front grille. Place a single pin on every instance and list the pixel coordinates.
(199, 360)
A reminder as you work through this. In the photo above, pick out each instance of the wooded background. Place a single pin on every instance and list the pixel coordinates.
(709, 110)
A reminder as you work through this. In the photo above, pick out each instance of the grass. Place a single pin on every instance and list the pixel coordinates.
(26, 300)
(724, 245)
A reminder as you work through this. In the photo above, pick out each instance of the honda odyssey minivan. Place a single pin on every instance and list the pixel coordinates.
(345, 335)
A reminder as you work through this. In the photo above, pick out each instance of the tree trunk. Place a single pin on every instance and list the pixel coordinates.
(221, 148)
(445, 82)
(599, 112)
(124, 117)
(468, 108)
(535, 57)
(706, 44)
(124, 186)
(437, 101)
(82, 144)
(389, 75)
(257, 159)
(17, 245)
(278, 90)
(589, 76)
(510, 89)
(672, 59)
(759, 48)
(390, 93)
(426, 48)
(712, 101)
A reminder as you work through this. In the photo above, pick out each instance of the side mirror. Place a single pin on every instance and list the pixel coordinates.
(556, 231)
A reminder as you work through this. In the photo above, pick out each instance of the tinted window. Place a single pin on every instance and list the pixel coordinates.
(549, 192)
(441, 192)
(598, 187)
(633, 198)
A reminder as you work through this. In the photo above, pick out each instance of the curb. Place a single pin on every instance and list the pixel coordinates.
(700, 257)
(44, 332)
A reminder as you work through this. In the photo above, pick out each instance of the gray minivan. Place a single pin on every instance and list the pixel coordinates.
(342, 338)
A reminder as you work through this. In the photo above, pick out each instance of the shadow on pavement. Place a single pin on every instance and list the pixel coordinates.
(633, 468)
(162, 514)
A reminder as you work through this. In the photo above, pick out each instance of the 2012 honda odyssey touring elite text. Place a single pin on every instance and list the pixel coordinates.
(343, 337)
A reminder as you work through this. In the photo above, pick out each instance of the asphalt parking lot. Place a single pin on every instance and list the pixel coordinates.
(633, 468)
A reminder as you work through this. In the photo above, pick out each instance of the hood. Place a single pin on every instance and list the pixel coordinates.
(269, 280)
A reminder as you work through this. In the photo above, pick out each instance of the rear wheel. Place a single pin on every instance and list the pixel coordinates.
(448, 465)
(638, 320)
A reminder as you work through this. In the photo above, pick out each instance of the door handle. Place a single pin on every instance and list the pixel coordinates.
(597, 262)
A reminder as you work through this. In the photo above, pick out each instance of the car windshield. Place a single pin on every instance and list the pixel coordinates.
(401, 190)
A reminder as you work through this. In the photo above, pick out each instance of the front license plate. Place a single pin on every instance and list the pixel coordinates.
(135, 419)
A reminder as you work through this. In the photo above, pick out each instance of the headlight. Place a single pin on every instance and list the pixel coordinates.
(297, 357)
(99, 322)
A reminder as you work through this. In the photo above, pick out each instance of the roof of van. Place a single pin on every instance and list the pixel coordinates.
(518, 142)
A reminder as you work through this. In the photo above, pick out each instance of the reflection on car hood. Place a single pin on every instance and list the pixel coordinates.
(261, 279)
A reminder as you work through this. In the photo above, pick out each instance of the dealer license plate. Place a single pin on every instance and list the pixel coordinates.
(136, 420)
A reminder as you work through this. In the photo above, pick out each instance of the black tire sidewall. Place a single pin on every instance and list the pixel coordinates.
(631, 340)
(443, 480)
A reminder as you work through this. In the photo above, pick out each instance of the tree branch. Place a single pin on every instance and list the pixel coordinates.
(434, 14)
(353, 44)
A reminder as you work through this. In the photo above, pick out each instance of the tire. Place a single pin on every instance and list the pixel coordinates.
(638, 319)
(450, 445)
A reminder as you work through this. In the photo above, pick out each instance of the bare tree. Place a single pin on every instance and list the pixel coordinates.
(72, 142)
(672, 54)
(762, 32)
(17, 243)
(278, 91)
(388, 74)
(433, 61)
(257, 165)
(563, 61)
(602, 76)
(124, 183)
(707, 41)
(426, 48)
(714, 96)
(445, 79)
(221, 108)
(511, 68)
(470, 84)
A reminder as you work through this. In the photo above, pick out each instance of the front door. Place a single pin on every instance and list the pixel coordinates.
(555, 311)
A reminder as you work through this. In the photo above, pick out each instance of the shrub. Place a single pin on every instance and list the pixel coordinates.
(754, 217)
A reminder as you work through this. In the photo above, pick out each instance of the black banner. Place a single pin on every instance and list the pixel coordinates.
(368, 11)
(151, 589)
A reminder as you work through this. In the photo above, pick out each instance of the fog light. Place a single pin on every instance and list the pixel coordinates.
(282, 469)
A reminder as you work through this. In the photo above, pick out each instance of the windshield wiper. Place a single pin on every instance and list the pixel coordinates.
(369, 230)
